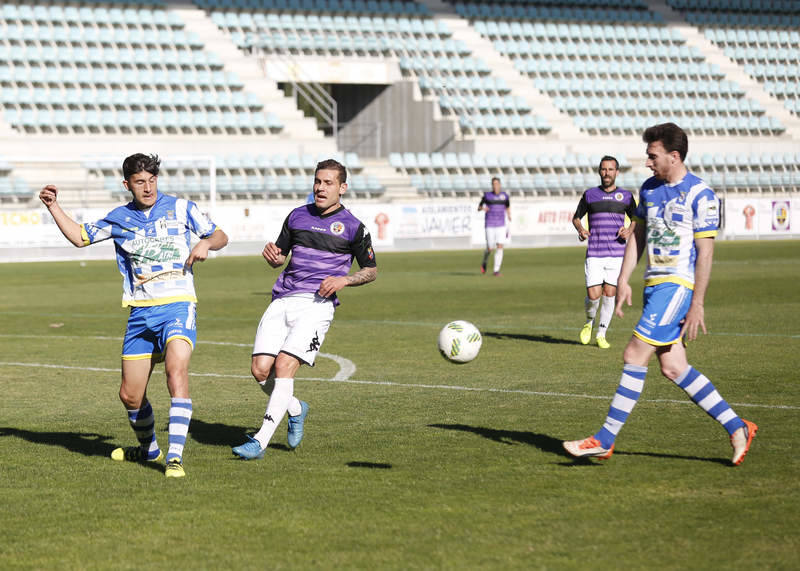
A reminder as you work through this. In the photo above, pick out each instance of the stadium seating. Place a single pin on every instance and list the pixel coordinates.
(116, 68)
(445, 69)
(458, 174)
(768, 56)
(574, 62)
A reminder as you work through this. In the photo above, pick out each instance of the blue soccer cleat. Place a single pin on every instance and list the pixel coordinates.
(296, 423)
(250, 450)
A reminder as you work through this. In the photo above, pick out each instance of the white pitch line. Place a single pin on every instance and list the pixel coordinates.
(338, 379)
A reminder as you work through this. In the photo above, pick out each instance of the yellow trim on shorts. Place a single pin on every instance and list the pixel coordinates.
(184, 337)
(653, 342)
(706, 234)
(159, 301)
(668, 279)
(85, 236)
(139, 356)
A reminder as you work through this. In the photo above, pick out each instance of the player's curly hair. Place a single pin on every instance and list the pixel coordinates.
(140, 162)
(334, 165)
(671, 136)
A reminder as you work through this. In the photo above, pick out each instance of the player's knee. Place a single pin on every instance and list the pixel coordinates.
(129, 399)
(260, 371)
(670, 371)
(286, 366)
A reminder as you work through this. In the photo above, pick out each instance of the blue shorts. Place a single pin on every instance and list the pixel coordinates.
(665, 306)
(151, 328)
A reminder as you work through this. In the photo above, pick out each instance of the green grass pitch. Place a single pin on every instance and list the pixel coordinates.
(409, 462)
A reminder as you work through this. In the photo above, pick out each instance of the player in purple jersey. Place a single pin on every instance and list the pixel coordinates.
(676, 222)
(497, 207)
(606, 206)
(320, 241)
(151, 236)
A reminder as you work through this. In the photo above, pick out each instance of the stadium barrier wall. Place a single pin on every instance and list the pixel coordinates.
(31, 234)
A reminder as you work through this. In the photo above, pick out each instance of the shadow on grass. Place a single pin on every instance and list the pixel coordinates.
(723, 461)
(511, 437)
(547, 443)
(534, 338)
(371, 465)
(218, 434)
(86, 443)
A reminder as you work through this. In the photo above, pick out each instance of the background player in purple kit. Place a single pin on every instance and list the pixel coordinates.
(606, 206)
(322, 238)
(497, 207)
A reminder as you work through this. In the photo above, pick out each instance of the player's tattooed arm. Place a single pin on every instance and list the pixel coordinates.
(331, 284)
(362, 276)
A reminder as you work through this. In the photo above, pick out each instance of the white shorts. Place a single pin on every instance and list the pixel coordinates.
(602, 270)
(496, 235)
(296, 325)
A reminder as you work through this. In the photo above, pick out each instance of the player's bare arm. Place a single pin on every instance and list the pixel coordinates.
(624, 232)
(272, 254)
(583, 233)
(69, 228)
(199, 253)
(695, 317)
(633, 251)
(331, 285)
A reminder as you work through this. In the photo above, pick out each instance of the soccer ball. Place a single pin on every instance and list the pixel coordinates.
(460, 341)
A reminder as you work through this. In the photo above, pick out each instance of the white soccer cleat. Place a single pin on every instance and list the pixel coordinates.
(588, 448)
(741, 439)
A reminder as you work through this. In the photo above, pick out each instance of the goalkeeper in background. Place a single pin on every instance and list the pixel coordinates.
(152, 239)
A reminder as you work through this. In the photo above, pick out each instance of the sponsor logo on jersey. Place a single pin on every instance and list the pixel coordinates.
(337, 228)
(318, 229)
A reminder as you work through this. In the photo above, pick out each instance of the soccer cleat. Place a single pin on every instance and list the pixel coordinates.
(134, 454)
(741, 439)
(497, 274)
(586, 334)
(483, 268)
(250, 450)
(588, 447)
(174, 469)
(602, 343)
(295, 435)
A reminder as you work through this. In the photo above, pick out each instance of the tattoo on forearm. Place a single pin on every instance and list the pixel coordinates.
(362, 276)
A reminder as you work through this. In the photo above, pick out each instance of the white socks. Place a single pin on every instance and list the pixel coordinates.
(268, 386)
(498, 259)
(590, 305)
(277, 406)
(606, 313)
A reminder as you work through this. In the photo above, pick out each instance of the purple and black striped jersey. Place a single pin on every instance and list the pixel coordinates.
(320, 246)
(606, 212)
(497, 203)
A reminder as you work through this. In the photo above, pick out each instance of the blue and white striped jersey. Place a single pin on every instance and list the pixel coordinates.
(674, 215)
(152, 248)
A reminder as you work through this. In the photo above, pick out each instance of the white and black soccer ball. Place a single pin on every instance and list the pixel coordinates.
(460, 341)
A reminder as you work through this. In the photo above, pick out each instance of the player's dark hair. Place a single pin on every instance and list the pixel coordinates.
(334, 165)
(608, 158)
(671, 136)
(494, 178)
(138, 163)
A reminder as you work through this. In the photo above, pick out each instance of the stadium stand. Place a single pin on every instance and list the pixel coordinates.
(107, 69)
(531, 90)
(444, 68)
